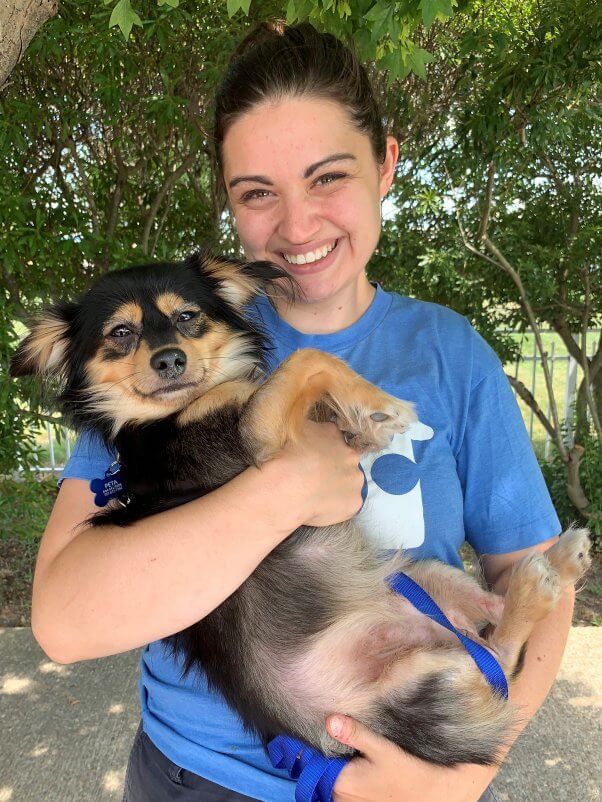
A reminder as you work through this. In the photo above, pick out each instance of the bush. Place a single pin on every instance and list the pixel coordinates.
(591, 479)
(25, 506)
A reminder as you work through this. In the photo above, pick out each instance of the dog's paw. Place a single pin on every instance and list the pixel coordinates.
(570, 556)
(539, 584)
(376, 422)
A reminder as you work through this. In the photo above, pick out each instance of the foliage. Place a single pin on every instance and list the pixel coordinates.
(106, 153)
(383, 31)
(591, 471)
(25, 507)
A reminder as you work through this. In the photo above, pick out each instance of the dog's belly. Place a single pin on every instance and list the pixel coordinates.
(313, 629)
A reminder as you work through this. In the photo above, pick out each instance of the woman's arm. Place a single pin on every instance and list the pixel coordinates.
(386, 773)
(102, 591)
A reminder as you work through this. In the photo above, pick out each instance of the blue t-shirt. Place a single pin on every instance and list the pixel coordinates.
(464, 471)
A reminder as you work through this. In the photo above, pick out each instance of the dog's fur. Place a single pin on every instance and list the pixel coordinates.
(163, 360)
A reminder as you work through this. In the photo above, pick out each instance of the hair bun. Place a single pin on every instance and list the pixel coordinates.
(258, 34)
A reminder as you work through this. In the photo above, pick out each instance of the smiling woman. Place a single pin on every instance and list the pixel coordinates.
(304, 162)
(314, 205)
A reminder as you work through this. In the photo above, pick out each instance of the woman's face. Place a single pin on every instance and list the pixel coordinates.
(305, 190)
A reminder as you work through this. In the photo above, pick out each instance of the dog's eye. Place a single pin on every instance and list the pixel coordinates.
(184, 317)
(120, 331)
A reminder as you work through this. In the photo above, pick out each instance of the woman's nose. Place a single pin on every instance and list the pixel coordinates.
(299, 220)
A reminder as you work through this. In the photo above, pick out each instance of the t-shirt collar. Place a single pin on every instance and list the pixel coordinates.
(280, 331)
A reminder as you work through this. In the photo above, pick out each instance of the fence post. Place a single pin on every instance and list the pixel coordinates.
(546, 451)
(533, 380)
(50, 446)
(569, 397)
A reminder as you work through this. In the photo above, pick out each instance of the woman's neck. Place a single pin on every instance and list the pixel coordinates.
(331, 314)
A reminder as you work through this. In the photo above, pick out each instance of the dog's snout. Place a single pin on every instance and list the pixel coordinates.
(169, 363)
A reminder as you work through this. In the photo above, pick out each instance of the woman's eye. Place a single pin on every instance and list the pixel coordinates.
(256, 194)
(329, 178)
(184, 317)
(120, 331)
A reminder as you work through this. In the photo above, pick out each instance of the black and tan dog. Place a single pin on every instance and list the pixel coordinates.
(164, 362)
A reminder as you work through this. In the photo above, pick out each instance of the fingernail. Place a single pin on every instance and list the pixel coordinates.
(336, 725)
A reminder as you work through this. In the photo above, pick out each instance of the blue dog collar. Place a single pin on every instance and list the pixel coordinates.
(317, 774)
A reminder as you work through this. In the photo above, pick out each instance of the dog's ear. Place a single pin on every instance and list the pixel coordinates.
(44, 349)
(239, 282)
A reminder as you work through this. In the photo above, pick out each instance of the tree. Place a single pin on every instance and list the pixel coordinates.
(19, 22)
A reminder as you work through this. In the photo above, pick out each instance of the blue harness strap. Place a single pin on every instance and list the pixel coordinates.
(315, 773)
(486, 662)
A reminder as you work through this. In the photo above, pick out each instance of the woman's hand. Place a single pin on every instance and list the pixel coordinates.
(384, 773)
(324, 473)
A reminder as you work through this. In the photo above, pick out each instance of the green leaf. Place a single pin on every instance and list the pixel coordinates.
(433, 8)
(379, 16)
(233, 6)
(291, 12)
(170, 3)
(245, 5)
(418, 59)
(125, 17)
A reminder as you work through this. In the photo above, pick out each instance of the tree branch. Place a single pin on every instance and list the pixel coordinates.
(527, 396)
(20, 20)
(167, 185)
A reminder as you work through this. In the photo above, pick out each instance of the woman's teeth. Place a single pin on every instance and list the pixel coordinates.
(310, 256)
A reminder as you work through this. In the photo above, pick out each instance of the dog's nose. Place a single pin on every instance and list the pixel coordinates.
(169, 363)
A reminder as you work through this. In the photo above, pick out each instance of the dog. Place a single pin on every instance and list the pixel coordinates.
(165, 362)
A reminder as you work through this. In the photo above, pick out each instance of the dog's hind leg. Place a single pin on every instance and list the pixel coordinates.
(311, 380)
(535, 587)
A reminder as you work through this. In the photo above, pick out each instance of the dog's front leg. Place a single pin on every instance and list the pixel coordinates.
(313, 384)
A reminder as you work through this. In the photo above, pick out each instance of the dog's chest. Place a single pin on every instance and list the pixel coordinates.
(164, 457)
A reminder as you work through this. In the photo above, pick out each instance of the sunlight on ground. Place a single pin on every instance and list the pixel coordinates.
(586, 701)
(48, 667)
(115, 709)
(6, 793)
(113, 780)
(12, 685)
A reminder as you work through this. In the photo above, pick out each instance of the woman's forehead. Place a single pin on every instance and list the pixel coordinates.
(290, 135)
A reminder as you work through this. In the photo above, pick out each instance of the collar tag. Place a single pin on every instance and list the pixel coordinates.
(112, 486)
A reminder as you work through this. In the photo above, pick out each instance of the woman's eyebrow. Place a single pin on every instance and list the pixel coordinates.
(262, 179)
(336, 157)
(259, 179)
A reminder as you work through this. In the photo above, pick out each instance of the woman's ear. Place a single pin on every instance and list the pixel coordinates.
(387, 168)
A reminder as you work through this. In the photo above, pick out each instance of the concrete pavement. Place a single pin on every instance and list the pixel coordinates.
(65, 731)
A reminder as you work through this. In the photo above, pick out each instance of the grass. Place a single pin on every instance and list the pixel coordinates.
(25, 507)
(24, 510)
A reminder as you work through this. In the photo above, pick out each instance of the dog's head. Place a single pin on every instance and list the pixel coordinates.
(146, 341)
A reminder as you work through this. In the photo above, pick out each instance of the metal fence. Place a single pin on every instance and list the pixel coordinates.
(563, 368)
(565, 373)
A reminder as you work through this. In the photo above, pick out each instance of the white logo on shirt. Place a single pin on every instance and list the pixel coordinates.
(393, 514)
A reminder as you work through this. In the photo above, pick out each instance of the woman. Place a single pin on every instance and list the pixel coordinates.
(305, 163)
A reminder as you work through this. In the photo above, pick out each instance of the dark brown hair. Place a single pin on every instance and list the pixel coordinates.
(277, 61)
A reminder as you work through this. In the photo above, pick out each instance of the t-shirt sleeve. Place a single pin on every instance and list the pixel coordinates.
(89, 459)
(507, 505)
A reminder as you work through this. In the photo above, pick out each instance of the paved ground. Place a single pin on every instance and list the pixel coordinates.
(65, 730)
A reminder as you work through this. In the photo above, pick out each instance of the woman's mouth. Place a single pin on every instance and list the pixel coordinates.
(310, 256)
(312, 260)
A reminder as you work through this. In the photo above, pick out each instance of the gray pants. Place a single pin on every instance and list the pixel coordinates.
(152, 777)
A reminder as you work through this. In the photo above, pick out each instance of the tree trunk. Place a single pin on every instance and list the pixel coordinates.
(19, 22)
